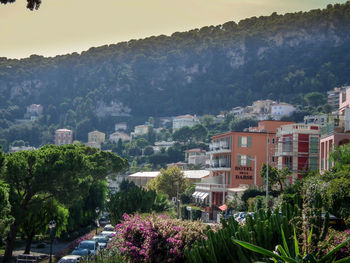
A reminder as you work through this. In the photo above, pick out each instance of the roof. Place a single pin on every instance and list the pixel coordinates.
(195, 150)
(63, 130)
(71, 257)
(189, 174)
(187, 116)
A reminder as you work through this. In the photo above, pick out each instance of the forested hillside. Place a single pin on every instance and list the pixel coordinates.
(200, 71)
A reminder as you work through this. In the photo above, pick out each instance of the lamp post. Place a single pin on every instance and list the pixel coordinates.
(52, 226)
(254, 159)
(97, 210)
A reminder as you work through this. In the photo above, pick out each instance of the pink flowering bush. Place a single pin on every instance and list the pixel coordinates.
(338, 238)
(156, 238)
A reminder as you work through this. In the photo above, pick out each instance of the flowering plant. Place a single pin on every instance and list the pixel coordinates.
(156, 238)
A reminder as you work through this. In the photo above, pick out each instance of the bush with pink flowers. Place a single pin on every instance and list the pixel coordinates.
(336, 238)
(156, 238)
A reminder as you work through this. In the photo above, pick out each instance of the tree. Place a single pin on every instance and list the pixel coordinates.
(276, 176)
(129, 199)
(37, 219)
(31, 4)
(52, 172)
(5, 218)
(183, 135)
(314, 99)
(241, 124)
(199, 132)
(170, 181)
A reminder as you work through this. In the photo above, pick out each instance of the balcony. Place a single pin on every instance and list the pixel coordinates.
(218, 148)
(219, 168)
(211, 187)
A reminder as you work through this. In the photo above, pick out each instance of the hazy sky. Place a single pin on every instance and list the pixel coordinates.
(65, 26)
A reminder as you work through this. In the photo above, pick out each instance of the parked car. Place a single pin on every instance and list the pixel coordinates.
(335, 222)
(101, 240)
(70, 259)
(109, 234)
(91, 245)
(83, 253)
(108, 228)
(104, 221)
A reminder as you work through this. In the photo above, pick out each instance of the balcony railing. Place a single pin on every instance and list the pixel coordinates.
(211, 187)
(218, 149)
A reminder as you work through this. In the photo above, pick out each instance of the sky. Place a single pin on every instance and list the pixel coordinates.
(66, 26)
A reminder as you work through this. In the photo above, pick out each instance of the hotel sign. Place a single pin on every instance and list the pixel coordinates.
(244, 172)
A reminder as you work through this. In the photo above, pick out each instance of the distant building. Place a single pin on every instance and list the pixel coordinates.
(196, 156)
(15, 149)
(158, 146)
(140, 130)
(237, 112)
(142, 178)
(114, 137)
(316, 119)
(121, 126)
(33, 111)
(282, 109)
(184, 121)
(333, 97)
(63, 137)
(165, 121)
(181, 165)
(96, 136)
(297, 148)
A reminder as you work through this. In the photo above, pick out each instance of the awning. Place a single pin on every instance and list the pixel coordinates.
(196, 194)
(223, 207)
(202, 197)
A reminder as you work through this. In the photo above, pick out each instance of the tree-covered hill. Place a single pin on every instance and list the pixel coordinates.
(200, 71)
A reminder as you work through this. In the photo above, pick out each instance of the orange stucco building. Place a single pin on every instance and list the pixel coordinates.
(236, 159)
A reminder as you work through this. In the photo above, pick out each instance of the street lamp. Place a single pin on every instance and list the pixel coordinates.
(52, 226)
(97, 210)
(254, 159)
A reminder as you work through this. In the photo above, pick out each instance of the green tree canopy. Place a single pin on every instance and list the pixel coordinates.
(62, 173)
(276, 176)
(170, 181)
(241, 124)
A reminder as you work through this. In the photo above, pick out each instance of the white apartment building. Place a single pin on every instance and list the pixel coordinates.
(196, 156)
(184, 120)
(121, 126)
(140, 130)
(282, 109)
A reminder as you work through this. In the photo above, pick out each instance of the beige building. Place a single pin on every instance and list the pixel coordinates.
(142, 178)
(196, 156)
(97, 137)
(116, 136)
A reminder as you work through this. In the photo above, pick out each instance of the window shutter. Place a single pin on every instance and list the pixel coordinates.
(249, 141)
(239, 159)
(239, 141)
(248, 161)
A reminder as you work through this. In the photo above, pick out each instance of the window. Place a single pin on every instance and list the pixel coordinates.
(244, 160)
(313, 145)
(313, 163)
(273, 140)
(287, 144)
(244, 141)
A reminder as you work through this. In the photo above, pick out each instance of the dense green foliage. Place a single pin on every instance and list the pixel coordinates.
(200, 71)
(41, 182)
(130, 199)
(5, 208)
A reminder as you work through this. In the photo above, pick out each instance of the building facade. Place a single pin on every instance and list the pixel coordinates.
(196, 156)
(297, 148)
(236, 159)
(333, 97)
(184, 121)
(121, 126)
(97, 137)
(116, 136)
(63, 137)
(282, 109)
